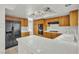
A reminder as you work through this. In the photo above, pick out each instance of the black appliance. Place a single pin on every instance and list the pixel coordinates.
(13, 31)
(40, 29)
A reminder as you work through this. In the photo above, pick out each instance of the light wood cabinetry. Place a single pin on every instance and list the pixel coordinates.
(12, 18)
(64, 21)
(74, 18)
(51, 35)
(24, 22)
(48, 21)
(23, 34)
(67, 20)
(51, 20)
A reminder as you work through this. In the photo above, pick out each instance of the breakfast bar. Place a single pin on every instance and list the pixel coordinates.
(40, 45)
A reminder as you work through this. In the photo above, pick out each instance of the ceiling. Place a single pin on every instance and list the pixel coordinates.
(25, 10)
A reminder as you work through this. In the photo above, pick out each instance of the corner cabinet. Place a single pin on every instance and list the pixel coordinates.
(64, 21)
(74, 18)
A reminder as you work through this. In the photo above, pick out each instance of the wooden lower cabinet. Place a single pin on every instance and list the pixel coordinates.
(47, 35)
(51, 35)
(23, 34)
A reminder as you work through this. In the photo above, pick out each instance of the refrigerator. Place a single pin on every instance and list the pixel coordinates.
(13, 31)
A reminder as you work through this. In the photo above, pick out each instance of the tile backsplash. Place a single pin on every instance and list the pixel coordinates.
(70, 30)
(24, 29)
(65, 29)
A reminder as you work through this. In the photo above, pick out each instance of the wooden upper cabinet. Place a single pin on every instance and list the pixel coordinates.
(12, 18)
(64, 21)
(74, 18)
(51, 20)
(24, 22)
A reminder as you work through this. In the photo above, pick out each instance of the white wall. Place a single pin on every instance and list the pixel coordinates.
(30, 25)
(2, 29)
(78, 31)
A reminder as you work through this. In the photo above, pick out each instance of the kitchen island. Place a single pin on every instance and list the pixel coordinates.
(40, 45)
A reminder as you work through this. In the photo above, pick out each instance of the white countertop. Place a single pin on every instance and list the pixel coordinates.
(44, 45)
(52, 31)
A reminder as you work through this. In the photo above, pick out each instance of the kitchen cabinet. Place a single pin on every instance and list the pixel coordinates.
(47, 35)
(64, 21)
(51, 20)
(51, 35)
(12, 18)
(74, 18)
(24, 22)
(23, 34)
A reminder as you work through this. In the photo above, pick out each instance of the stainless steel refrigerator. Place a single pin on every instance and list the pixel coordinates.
(13, 31)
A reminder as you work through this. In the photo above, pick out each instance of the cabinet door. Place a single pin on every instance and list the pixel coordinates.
(23, 34)
(24, 22)
(64, 21)
(47, 34)
(74, 18)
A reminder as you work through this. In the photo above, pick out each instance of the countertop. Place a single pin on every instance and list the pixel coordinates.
(45, 45)
(53, 31)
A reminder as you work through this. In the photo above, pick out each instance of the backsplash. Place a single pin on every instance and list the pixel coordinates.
(53, 27)
(24, 29)
(72, 30)
(65, 29)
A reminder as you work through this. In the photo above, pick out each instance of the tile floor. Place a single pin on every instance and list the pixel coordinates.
(13, 50)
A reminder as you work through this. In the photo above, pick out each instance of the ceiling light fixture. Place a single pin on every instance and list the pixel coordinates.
(42, 12)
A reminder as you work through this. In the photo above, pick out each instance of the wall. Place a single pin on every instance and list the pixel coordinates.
(78, 31)
(30, 25)
(2, 29)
